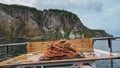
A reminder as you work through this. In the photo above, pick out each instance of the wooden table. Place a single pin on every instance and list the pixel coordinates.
(101, 55)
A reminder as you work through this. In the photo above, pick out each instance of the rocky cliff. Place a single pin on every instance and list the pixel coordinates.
(102, 33)
(29, 23)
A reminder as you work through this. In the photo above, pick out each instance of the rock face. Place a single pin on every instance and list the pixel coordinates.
(18, 22)
(29, 23)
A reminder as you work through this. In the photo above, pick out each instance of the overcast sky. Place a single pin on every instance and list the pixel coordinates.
(95, 14)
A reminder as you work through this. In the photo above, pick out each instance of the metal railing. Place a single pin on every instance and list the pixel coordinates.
(13, 44)
(109, 39)
(7, 49)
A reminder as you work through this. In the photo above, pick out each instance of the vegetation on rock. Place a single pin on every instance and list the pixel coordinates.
(24, 22)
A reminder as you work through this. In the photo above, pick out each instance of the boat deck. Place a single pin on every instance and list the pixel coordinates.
(21, 60)
(40, 47)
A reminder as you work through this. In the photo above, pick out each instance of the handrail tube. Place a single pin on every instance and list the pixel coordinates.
(105, 38)
(13, 44)
(101, 38)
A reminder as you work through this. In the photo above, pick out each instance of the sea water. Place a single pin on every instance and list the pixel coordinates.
(103, 45)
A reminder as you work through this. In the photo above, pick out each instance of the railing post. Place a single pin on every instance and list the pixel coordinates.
(110, 46)
(6, 51)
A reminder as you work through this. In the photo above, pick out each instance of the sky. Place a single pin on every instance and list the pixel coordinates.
(95, 14)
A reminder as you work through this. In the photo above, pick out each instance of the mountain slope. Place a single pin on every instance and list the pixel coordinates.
(18, 21)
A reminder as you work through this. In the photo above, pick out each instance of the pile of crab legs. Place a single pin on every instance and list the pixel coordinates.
(61, 49)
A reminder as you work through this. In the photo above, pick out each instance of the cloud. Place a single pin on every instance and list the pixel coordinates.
(82, 5)
(20, 2)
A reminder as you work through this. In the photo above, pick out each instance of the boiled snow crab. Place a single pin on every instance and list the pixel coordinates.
(62, 49)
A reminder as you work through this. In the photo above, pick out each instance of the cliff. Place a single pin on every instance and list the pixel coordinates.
(102, 33)
(24, 22)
